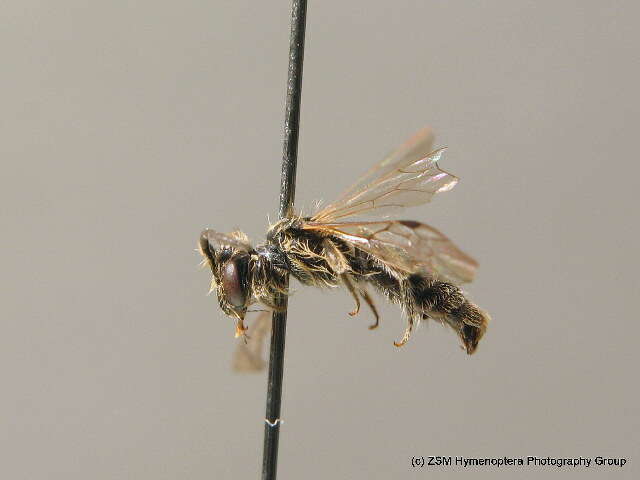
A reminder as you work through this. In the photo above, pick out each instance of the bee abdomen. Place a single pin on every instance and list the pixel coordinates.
(470, 314)
(440, 297)
(445, 300)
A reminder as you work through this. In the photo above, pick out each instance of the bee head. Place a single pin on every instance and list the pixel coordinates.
(228, 256)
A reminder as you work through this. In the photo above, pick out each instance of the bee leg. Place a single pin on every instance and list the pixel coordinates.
(352, 290)
(340, 266)
(407, 334)
(367, 298)
(241, 330)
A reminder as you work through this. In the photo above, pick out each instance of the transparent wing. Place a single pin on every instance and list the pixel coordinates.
(248, 357)
(406, 245)
(413, 149)
(407, 177)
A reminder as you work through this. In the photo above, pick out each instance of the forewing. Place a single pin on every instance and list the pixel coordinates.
(406, 245)
(413, 149)
(410, 176)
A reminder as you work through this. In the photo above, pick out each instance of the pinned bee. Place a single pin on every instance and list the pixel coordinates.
(410, 263)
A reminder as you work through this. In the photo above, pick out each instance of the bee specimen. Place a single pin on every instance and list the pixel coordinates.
(410, 263)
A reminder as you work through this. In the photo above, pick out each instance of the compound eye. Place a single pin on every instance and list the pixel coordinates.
(232, 284)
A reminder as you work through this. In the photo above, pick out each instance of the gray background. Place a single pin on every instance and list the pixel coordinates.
(127, 127)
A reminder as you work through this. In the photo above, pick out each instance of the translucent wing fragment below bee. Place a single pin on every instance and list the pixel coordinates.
(410, 176)
(408, 246)
(248, 357)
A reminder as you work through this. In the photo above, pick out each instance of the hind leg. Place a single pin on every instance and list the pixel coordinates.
(407, 334)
